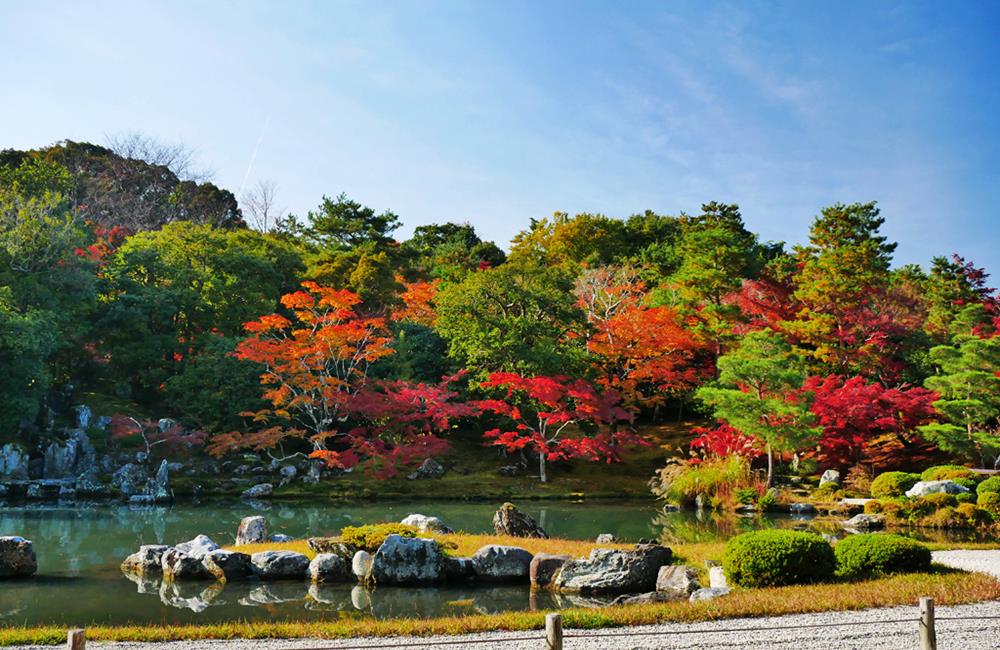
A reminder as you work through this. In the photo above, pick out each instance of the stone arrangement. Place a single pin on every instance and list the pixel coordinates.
(17, 558)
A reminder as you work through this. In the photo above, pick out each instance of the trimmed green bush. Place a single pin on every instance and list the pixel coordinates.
(992, 484)
(370, 536)
(772, 558)
(893, 484)
(946, 472)
(965, 497)
(990, 502)
(878, 554)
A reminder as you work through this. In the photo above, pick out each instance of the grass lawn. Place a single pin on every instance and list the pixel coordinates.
(946, 587)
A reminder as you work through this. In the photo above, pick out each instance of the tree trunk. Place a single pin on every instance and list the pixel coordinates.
(770, 465)
(542, 475)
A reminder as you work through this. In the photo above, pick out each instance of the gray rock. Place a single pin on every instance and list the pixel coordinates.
(130, 479)
(458, 569)
(90, 487)
(280, 565)
(645, 599)
(67, 492)
(102, 422)
(142, 500)
(611, 571)
(709, 593)
(864, 522)
(802, 508)
(923, 488)
(829, 476)
(165, 424)
(198, 547)
(331, 545)
(288, 472)
(502, 563)
(17, 557)
(252, 530)
(259, 491)
(677, 581)
(83, 415)
(280, 538)
(329, 567)
(361, 565)
(228, 565)
(425, 524)
(508, 520)
(159, 486)
(178, 565)
(13, 462)
(605, 538)
(146, 562)
(544, 567)
(403, 560)
(3, 490)
(430, 468)
(717, 578)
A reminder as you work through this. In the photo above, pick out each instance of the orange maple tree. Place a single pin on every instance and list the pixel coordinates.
(418, 300)
(315, 364)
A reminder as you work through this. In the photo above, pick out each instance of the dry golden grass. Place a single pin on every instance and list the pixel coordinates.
(946, 587)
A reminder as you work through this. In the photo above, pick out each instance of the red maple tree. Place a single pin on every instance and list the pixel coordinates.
(721, 441)
(558, 418)
(855, 415)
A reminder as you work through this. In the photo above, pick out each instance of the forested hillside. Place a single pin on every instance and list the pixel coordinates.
(324, 334)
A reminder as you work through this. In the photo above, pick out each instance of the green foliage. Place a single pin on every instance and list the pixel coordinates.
(343, 223)
(878, 554)
(758, 393)
(947, 472)
(992, 484)
(370, 536)
(513, 318)
(774, 558)
(682, 483)
(745, 496)
(421, 355)
(827, 493)
(990, 502)
(450, 251)
(893, 484)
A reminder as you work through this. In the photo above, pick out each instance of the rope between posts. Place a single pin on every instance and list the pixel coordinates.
(967, 618)
(425, 644)
(738, 629)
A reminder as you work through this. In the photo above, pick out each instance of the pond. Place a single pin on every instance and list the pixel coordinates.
(80, 547)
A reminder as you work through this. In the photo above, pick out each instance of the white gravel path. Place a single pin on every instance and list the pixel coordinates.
(863, 630)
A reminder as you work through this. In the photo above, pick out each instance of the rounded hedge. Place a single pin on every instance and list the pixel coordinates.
(772, 558)
(992, 484)
(893, 484)
(990, 502)
(879, 553)
(948, 472)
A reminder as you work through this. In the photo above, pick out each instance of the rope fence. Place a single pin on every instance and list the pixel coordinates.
(554, 637)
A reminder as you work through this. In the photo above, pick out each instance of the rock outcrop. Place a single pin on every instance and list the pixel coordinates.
(610, 571)
(13, 462)
(228, 566)
(252, 530)
(425, 524)
(544, 566)
(677, 581)
(17, 557)
(146, 562)
(923, 488)
(329, 567)
(280, 565)
(502, 563)
(404, 561)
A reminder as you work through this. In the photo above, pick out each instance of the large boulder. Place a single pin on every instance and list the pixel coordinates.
(403, 560)
(252, 530)
(13, 462)
(612, 571)
(198, 547)
(864, 522)
(829, 476)
(458, 569)
(158, 487)
(544, 567)
(361, 565)
(146, 562)
(280, 565)
(227, 566)
(70, 458)
(178, 565)
(329, 567)
(425, 524)
(923, 488)
(677, 581)
(502, 563)
(708, 593)
(259, 491)
(508, 520)
(17, 557)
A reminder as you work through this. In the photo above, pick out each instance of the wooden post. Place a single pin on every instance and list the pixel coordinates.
(553, 632)
(928, 636)
(76, 640)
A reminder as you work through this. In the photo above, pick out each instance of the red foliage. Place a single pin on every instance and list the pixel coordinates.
(764, 303)
(854, 414)
(539, 411)
(724, 440)
(175, 437)
(418, 298)
(106, 242)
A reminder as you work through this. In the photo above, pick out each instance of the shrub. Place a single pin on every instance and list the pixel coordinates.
(873, 507)
(893, 484)
(827, 493)
(768, 500)
(713, 477)
(878, 553)
(770, 558)
(946, 472)
(965, 497)
(859, 480)
(992, 484)
(746, 496)
(990, 502)
(371, 536)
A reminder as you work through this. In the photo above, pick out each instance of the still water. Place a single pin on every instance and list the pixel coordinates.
(80, 547)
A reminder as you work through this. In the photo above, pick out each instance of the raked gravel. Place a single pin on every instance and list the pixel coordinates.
(862, 630)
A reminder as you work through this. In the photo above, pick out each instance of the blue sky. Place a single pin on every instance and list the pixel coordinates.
(496, 112)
